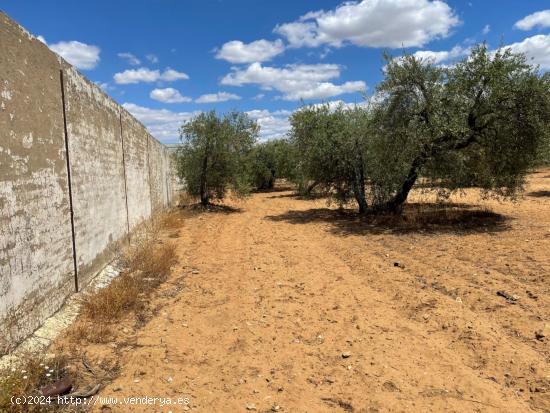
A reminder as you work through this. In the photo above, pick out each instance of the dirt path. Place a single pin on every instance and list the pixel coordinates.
(288, 303)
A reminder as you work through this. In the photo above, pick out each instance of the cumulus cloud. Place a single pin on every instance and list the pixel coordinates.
(83, 56)
(163, 124)
(146, 75)
(171, 75)
(272, 124)
(258, 51)
(486, 29)
(136, 75)
(294, 81)
(539, 19)
(276, 124)
(442, 56)
(536, 48)
(217, 97)
(168, 95)
(373, 23)
(130, 58)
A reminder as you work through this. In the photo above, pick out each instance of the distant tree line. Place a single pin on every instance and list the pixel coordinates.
(483, 122)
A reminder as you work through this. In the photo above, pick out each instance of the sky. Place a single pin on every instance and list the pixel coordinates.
(166, 61)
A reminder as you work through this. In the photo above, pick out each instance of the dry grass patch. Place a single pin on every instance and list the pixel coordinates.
(25, 381)
(111, 302)
(171, 220)
(90, 332)
(146, 264)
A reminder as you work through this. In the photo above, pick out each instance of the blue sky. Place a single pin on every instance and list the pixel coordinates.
(168, 60)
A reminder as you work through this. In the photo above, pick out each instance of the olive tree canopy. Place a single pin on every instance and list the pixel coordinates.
(214, 151)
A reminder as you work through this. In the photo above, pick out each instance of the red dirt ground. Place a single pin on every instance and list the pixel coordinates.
(288, 305)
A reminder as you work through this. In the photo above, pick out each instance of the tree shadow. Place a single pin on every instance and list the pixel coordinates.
(417, 218)
(539, 194)
(295, 195)
(273, 190)
(198, 208)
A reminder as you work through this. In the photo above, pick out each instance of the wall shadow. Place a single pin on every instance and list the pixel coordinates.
(539, 194)
(458, 219)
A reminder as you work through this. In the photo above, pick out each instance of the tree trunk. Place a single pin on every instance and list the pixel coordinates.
(395, 205)
(311, 187)
(203, 188)
(359, 188)
(361, 201)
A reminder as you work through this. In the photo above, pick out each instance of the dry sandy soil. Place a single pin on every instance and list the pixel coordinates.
(285, 304)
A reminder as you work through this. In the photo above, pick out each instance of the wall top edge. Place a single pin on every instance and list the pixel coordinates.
(65, 64)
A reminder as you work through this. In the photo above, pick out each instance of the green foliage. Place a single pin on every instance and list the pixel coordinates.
(214, 152)
(331, 144)
(483, 122)
(270, 160)
(480, 123)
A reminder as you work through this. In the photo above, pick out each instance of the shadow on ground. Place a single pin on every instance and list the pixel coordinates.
(198, 208)
(295, 195)
(417, 217)
(282, 188)
(539, 194)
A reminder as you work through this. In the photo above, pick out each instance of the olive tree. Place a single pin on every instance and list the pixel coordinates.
(271, 160)
(482, 122)
(331, 145)
(214, 152)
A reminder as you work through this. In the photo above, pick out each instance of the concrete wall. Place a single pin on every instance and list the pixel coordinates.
(119, 175)
(97, 172)
(136, 157)
(156, 174)
(36, 267)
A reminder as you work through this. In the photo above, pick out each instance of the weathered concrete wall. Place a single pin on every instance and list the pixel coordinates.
(97, 172)
(137, 169)
(157, 181)
(36, 273)
(119, 174)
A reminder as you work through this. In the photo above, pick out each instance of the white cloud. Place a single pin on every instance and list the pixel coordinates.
(130, 58)
(536, 48)
(272, 124)
(276, 124)
(163, 124)
(144, 74)
(82, 55)
(442, 56)
(294, 81)
(136, 75)
(539, 19)
(168, 95)
(373, 23)
(326, 90)
(486, 29)
(258, 51)
(217, 97)
(170, 75)
(152, 58)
